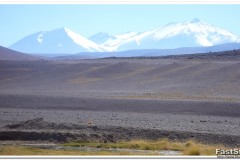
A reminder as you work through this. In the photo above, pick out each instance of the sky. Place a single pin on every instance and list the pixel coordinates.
(18, 21)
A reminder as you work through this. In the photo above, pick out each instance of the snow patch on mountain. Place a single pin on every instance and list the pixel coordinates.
(39, 38)
(81, 41)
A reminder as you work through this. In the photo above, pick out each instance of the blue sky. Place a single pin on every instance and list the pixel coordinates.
(18, 21)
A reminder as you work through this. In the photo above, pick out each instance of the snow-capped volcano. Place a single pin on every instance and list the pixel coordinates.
(58, 41)
(193, 33)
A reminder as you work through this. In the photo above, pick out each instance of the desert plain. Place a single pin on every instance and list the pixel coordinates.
(113, 99)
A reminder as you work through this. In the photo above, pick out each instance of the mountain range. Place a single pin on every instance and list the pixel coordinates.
(188, 34)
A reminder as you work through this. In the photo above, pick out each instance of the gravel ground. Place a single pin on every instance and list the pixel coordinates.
(112, 99)
(63, 125)
(161, 121)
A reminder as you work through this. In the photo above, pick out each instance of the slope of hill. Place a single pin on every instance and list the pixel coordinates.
(8, 54)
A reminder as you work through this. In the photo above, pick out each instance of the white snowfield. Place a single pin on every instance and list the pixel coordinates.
(193, 33)
(82, 41)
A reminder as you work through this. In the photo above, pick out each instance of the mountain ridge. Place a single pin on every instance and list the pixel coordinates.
(154, 52)
(194, 33)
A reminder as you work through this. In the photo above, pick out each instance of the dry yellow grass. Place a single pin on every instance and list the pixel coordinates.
(187, 148)
(18, 151)
(193, 148)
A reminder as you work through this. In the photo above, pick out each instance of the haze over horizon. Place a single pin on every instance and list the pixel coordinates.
(88, 20)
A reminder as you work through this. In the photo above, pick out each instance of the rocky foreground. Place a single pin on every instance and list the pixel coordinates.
(39, 130)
